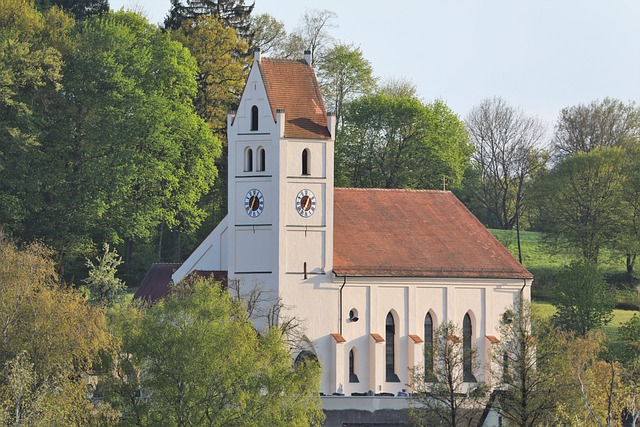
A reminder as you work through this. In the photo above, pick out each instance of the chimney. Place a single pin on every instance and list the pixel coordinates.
(307, 57)
(231, 116)
(256, 54)
(331, 124)
(280, 114)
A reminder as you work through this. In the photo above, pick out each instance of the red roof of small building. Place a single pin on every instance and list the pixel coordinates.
(414, 233)
(292, 86)
(157, 282)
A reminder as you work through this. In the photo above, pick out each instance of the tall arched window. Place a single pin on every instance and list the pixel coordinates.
(254, 118)
(261, 158)
(353, 378)
(467, 358)
(248, 160)
(390, 353)
(305, 161)
(428, 347)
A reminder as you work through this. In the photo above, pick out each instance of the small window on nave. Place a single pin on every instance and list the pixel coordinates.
(467, 357)
(390, 350)
(353, 377)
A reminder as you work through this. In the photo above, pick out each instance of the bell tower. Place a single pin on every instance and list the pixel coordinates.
(280, 182)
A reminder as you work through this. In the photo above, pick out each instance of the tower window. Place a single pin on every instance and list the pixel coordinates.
(248, 160)
(305, 161)
(261, 160)
(390, 350)
(254, 118)
(467, 358)
(353, 378)
(428, 347)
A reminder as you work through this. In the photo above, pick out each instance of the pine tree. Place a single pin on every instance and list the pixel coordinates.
(232, 13)
(80, 9)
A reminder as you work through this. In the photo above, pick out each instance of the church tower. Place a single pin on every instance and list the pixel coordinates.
(280, 183)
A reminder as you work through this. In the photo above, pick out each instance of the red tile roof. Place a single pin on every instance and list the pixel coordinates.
(292, 86)
(377, 337)
(339, 338)
(157, 282)
(414, 233)
(416, 338)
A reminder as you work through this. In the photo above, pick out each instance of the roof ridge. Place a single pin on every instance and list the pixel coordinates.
(408, 190)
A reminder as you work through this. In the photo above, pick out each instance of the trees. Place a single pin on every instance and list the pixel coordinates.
(343, 74)
(508, 155)
(232, 13)
(79, 9)
(221, 73)
(49, 338)
(269, 33)
(203, 364)
(122, 149)
(313, 33)
(527, 346)
(580, 200)
(606, 123)
(103, 285)
(446, 396)
(582, 297)
(397, 142)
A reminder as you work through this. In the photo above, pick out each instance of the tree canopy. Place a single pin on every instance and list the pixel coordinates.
(203, 364)
(398, 142)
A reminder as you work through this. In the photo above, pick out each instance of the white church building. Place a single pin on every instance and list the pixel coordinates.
(370, 272)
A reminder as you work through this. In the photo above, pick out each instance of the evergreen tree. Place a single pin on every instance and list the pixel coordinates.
(80, 9)
(233, 13)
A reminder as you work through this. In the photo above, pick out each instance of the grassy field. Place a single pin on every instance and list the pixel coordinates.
(543, 261)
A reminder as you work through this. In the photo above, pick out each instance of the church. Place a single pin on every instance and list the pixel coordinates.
(370, 273)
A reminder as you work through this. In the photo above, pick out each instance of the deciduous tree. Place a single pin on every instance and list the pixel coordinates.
(583, 298)
(344, 74)
(203, 364)
(445, 396)
(398, 142)
(580, 201)
(606, 123)
(79, 9)
(49, 338)
(508, 154)
(527, 346)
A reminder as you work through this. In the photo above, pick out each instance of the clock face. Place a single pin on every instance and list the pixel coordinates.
(254, 203)
(305, 203)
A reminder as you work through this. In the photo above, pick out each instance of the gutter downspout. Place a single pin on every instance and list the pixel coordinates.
(340, 308)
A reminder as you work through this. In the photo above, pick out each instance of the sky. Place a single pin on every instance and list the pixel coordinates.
(538, 55)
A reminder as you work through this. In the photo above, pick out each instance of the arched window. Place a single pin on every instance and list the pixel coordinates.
(390, 356)
(428, 347)
(248, 160)
(261, 160)
(305, 161)
(467, 358)
(353, 378)
(254, 118)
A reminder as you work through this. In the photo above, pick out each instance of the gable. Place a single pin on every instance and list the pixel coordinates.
(414, 233)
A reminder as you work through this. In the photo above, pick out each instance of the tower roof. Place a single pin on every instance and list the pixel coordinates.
(414, 233)
(292, 86)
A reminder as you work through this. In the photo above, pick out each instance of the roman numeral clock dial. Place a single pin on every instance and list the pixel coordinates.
(305, 203)
(254, 203)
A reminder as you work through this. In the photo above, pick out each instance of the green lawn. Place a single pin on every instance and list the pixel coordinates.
(611, 330)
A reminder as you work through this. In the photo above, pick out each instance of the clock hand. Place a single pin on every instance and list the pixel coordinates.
(254, 199)
(306, 203)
